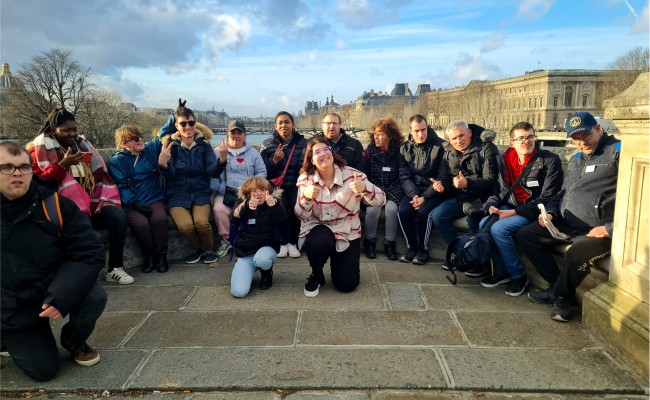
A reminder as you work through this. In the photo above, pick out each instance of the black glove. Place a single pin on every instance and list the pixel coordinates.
(142, 209)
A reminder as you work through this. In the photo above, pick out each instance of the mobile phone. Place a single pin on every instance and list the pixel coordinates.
(88, 156)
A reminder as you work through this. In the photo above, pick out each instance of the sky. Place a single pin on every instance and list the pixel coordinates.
(257, 57)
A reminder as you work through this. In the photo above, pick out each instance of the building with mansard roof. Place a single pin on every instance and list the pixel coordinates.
(7, 82)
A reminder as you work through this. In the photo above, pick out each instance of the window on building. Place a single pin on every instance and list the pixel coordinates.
(530, 103)
(554, 119)
(535, 102)
(584, 100)
(568, 96)
(555, 98)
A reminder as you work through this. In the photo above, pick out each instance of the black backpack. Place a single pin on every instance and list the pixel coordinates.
(472, 250)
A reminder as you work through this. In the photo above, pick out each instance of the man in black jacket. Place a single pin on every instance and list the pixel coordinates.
(48, 271)
(583, 209)
(341, 143)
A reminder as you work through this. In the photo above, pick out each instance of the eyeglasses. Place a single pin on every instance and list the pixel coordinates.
(522, 139)
(583, 137)
(185, 123)
(325, 149)
(330, 123)
(8, 169)
(136, 139)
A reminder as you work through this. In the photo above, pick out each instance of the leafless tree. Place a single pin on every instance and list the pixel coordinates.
(624, 70)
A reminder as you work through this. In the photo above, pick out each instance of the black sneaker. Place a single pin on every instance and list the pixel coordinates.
(3, 351)
(409, 256)
(494, 281)
(194, 257)
(267, 279)
(421, 258)
(312, 285)
(517, 286)
(445, 267)
(542, 296)
(209, 257)
(477, 272)
(561, 310)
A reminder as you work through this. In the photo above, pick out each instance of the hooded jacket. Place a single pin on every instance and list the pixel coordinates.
(542, 182)
(293, 172)
(137, 175)
(420, 162)
(259, 226)
(39, 263)
(241, 164)
(588, 195)
(188, 173)
(478, 164)
(349, 148)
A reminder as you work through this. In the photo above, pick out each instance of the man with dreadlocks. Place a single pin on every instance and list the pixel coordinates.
(60, 153)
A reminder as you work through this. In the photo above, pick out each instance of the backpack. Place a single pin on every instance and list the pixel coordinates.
(470, 251)
(52, 211)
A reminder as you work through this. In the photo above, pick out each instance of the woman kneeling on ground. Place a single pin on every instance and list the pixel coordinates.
(329, 199)
(256, 238)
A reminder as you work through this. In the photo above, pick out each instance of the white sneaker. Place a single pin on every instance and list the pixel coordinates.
(293, 251)
(283, 251)
(120, 276)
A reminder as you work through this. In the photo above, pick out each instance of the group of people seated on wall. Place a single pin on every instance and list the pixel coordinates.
(294, 195)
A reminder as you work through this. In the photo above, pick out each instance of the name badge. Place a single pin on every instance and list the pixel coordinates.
(532, 183)
(251, 221)
(386, 169)
(590, 168)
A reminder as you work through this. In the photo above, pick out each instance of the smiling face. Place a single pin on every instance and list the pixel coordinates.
(284, 126)
(187, 131)
(523, 141)
(322, 156)
(66, 133)
(236, 139)
(259, 195)
(460, 138)
(16, 184)
(587, 141)
(419, 131)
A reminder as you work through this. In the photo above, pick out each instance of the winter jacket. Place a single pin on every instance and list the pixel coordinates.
(349, 148)
(419, 162)
(188, 173)
(382, 169)
(241, 164)
(543, 181)
(588, 195)
(259, 226)
(39, 263)
(272, 170)
(478, 164)
(137, 175)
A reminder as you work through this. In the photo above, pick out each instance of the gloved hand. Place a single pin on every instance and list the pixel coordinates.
(142, 209)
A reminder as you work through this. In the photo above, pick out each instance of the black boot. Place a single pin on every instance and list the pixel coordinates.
(369, 247)
(161, 263)
(389, 249)
(267, 279)
(148, 265)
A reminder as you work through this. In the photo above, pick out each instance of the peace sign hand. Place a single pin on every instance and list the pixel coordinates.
(358, 185)
(279, 153)
(165, 154)
(222, 149)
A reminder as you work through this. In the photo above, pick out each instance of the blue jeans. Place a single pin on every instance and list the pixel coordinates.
(443, 218)
(245, 267)
(505, 257)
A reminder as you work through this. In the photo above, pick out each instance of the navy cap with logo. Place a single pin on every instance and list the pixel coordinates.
(580, 122)
(236, 124)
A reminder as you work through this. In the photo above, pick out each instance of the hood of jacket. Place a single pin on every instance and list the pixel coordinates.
(201, 130)
(480, 135)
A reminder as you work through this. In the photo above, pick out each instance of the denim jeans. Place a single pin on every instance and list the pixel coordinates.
(505, 257)
(443, 218)
(372, 220)
(245, 267)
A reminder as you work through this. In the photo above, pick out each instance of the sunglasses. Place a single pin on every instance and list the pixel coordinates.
(185, 123)
(136, 139)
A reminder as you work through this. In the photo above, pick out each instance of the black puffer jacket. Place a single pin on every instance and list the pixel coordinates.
(420, 162)
(293, 172)
(382, 169)
(350, 149)
(258, 227)
(543, 181)
(478, 164)
(39, 266)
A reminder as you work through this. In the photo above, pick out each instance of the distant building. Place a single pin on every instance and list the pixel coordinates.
(312, 107)
(7, 82)
(330, 105)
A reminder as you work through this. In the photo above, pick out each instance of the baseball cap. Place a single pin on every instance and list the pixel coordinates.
(236, 124)
(579, 122)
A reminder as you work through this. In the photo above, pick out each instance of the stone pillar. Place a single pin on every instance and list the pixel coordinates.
(617, 311)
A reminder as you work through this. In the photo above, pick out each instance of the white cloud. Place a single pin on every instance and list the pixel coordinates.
(466, 68)
(534, 9)
(641, 25)
(493, 41)
(361, 14)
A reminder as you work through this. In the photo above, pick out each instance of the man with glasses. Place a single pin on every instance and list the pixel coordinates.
(341, 143)
(542, 181)
(49, 270)
(583, 209)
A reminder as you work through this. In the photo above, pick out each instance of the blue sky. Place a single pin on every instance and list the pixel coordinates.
(257, 57)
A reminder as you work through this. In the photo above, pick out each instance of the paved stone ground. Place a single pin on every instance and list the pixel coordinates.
(404, 333)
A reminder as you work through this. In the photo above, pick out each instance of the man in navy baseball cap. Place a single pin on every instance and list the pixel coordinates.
(579, 122)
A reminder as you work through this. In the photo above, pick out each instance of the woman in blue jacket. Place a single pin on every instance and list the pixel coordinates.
(134, 168)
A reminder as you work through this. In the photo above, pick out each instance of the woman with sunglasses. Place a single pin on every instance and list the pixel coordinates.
(329, 199)
(60, 153)
(187, 162)
(134, 168)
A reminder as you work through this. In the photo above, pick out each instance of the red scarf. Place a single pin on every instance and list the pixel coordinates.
(513, 169)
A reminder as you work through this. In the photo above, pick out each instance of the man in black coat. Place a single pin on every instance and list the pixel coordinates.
(49, 270)
(343, 144)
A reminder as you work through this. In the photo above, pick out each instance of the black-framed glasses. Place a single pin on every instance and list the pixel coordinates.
(186, 123)
(9, 169)
(522, 139)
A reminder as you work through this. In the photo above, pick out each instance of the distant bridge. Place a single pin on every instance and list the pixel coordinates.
(309, 132)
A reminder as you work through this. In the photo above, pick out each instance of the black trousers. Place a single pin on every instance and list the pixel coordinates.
(151, 232)
(291, 228)
(536, 243)
(320, 245)
(113, 219)
(34, 349)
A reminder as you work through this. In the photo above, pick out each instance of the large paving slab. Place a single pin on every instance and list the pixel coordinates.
(406, 328)
(184, 275)
(228, 328)
(311, 368)
(537, 370)
(147, 298)
(477, 298)
(404, 296)
(111, 329)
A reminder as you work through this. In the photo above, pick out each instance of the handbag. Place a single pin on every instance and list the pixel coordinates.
(230, 196)
(277, 182)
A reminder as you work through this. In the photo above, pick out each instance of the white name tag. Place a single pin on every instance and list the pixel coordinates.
(251, 221)
(386, 169)
(590, 168)
(532, 183)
